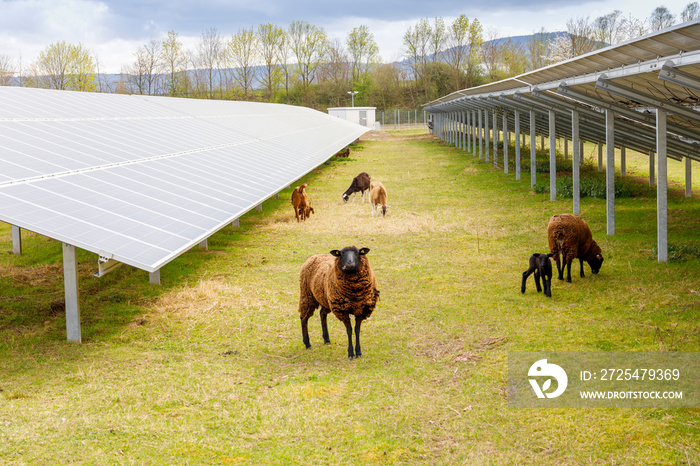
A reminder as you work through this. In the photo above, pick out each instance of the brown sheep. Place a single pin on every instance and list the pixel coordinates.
(571, 236)
(377, 197)
(359, 184)
(342, 283)
(300, 202)
(343, 153)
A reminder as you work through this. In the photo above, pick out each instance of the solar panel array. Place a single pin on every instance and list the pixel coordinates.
(142, 179)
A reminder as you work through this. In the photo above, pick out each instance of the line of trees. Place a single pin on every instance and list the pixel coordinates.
(301, 65)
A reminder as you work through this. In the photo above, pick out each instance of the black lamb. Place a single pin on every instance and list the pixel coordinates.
(542, 266)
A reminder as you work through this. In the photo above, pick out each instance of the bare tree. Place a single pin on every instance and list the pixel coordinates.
(490, 53)
(7, 70)
(607, 29)
(208, 61)
(690, 12)
(438, 39)
(271, 40)
(660, 18)
(580, 32)
(336, 71)
(145, 71)
(537, 49)
(633, 27)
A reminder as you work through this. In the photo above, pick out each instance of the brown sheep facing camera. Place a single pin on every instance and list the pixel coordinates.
(343, 283)
(571, 236)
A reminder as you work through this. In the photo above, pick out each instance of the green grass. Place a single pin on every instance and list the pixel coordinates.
(209, 368)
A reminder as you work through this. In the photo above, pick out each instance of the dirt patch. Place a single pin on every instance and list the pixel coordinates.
(376, 136)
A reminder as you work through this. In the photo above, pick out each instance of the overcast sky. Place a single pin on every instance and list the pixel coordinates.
(113, 29)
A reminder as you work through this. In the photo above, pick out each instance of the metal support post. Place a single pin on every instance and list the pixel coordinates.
(688, 177)
(661, 187)
(533, 150)
(70, 284)
(610, 169)
(487, 135)
(516, 139)
(154, 277)
(505, 143)
(552, 158)
(496, 137)
(16, 240)
(576, 164)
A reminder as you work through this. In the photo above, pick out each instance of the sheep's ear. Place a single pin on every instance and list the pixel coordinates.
(364, 251)
(550, 255)
(335, 252)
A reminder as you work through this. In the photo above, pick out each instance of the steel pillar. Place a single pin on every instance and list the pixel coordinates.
(610, 169)
(70, 285)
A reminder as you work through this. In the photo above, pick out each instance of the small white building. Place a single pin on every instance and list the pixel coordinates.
(364, 116)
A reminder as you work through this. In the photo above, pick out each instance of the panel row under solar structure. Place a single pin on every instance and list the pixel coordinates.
(142, 179)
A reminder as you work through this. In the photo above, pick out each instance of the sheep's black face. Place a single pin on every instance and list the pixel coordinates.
(596, 264)
(345, 197)
(544, 264)
(349, 259)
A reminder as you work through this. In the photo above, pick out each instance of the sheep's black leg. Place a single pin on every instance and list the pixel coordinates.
(348, 328)
(560, 269)
(568, 270)
(537, 281)
(547, 282)
(525, 275)
(581, 262)
(324, 325)
(358, 350)
(305, 331)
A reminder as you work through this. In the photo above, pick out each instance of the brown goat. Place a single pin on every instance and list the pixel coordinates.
(300, 202)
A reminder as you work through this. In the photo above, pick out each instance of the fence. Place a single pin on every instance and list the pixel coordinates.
(402, 118)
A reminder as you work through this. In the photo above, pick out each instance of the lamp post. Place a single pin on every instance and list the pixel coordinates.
(352, 93)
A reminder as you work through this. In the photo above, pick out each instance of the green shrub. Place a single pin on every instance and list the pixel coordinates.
(680, 252)
(593, 187)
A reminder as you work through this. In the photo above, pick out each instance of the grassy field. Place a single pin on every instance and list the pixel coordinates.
(209, 368)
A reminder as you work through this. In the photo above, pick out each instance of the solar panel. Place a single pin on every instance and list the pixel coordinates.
(142, 179)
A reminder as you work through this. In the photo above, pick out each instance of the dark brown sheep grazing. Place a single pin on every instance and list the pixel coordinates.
(343, 153)
(571, 236)
(542, 266)
(343, 283)
(300, 202)
(359, 184)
